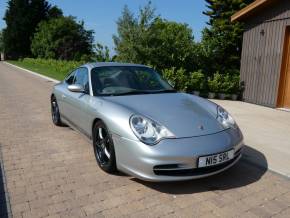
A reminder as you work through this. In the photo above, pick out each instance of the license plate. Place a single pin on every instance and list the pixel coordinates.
(215, 159)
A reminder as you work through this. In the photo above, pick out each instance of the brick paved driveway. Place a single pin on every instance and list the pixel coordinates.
(51, 172)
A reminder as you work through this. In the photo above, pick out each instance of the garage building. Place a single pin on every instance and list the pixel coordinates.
(265, 62)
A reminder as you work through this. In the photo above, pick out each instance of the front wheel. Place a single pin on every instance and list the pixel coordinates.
(104, 148)
(55, 115)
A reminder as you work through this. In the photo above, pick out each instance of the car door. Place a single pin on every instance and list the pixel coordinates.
(77, 103)
(62, 99)
(82, 106)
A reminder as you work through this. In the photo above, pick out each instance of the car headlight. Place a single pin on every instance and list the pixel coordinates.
(148, 131)
(225, 119)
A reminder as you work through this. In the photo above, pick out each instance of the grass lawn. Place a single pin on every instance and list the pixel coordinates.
(51, 68)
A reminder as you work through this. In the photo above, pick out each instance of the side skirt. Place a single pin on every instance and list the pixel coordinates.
(75, 127)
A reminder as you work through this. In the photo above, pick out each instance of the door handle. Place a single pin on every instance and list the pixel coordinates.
(63, 96)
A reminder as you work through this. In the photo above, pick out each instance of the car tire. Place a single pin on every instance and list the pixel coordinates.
(55, 115)
(104, 148)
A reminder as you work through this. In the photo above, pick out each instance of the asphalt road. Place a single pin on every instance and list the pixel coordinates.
(51, 171)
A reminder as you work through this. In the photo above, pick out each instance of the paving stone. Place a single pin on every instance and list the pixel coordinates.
(51, 171)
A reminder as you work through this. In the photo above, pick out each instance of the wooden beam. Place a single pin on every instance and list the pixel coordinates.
(250, 9)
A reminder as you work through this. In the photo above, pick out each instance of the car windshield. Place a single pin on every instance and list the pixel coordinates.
(127, 80)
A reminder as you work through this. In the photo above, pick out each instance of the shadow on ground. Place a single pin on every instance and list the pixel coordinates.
(249, 169)
(3, 203)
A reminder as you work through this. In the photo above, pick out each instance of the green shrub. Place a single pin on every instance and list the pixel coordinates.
(177, 78)
(183, 81)
(234, 85)
(228, 84)
(57, 69)
(60, 66)
(215, 84)
(197, 81)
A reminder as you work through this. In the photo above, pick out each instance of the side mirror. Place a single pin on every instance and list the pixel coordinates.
(171, 83)
(76, 88)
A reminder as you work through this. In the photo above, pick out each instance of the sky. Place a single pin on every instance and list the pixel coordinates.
(101, 15)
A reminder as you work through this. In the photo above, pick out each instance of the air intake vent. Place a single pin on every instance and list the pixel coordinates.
(175, 171)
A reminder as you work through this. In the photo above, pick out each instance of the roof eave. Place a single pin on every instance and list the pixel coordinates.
(250, 10)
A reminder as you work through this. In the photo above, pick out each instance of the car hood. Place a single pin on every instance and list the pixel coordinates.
(183, 114)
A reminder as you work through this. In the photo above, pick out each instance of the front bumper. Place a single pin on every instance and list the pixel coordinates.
(176, 159)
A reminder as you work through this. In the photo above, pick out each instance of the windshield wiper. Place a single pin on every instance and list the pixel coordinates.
(164, 91)
(135, 92)
(140, 92)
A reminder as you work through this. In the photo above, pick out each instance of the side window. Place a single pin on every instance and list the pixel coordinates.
(82, 78)
(70, 79)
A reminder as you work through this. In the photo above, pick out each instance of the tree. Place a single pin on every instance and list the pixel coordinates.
(149, 39)
(62, 38)
(55, 12)
(102, 53)
(1, 42)
(126, 41)
(172, 45)
(222, 40)
(21, 19)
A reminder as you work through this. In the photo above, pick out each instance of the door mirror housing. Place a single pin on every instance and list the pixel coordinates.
(170, 82)
(76, 88)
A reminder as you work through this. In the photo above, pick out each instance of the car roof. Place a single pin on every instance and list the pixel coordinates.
(111, 64)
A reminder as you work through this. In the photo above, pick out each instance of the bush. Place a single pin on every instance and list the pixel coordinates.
(215, 84)
(177, 78)
(228, 84)
(57, 69)
(197, 81)
(59, 65)
(234, 85)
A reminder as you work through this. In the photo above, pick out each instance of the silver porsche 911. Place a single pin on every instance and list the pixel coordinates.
(140, 125)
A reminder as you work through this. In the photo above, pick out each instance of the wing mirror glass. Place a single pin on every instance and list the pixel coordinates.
(76, 88)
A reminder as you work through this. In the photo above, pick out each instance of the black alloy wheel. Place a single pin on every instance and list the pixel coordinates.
(55, 115)
(104, 147)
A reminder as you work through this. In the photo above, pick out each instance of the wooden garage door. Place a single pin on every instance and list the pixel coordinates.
(284, 88)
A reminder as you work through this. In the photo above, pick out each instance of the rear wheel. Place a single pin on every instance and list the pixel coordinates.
(104, 148)
(55, 115)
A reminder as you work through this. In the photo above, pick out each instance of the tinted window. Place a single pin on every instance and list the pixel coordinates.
(70, 79)
(81, 78)
(118, 80)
